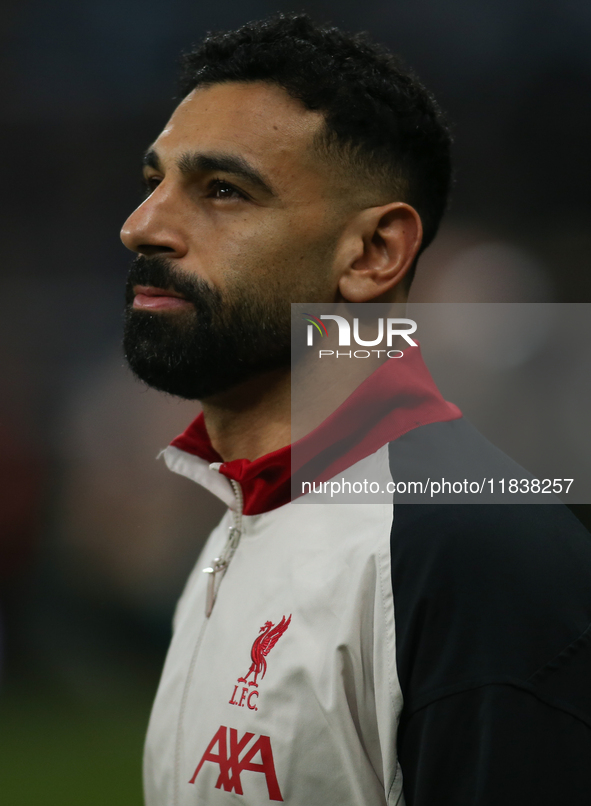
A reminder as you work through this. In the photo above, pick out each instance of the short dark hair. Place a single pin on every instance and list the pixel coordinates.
(379, 117)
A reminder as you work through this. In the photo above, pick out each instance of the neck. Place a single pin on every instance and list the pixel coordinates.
(256, 418)
(252, 419)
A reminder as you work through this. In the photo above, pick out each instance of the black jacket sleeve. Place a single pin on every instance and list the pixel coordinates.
(493, 607)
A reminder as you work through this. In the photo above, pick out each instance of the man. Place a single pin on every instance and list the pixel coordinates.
(335, 654)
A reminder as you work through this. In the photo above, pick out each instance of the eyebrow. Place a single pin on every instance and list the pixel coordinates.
(192, 162)
(151, 160)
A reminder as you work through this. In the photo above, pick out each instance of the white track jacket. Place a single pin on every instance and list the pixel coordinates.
(376, 653)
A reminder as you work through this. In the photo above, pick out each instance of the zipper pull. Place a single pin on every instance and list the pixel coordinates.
(218, 566)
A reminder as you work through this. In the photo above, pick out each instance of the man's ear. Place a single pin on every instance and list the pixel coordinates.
(386, 241)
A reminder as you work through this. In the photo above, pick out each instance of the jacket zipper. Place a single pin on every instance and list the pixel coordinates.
(216, 573)
(220, 565)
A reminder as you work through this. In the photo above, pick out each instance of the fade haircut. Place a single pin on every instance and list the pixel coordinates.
(380, 122)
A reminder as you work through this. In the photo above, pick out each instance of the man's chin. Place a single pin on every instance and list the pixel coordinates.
(177, 387)
(183, 355)
(191, 379)
(197, 383)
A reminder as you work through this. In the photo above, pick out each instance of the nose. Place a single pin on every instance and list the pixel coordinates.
(154, 229)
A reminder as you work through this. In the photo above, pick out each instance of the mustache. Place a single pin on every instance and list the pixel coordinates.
(159, 272)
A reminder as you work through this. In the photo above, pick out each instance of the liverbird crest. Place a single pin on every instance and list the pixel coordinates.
(268, 636)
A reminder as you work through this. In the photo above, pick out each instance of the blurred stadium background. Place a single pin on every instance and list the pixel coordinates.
(96, 537)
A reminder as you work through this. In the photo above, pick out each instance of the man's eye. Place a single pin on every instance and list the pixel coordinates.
(219, 189)
(149, 184)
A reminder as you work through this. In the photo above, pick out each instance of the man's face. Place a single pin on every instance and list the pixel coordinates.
(242, 219)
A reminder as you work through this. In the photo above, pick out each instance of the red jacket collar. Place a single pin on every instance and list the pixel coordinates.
(398, 397)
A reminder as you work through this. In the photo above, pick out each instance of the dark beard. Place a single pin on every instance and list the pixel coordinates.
(198, 353)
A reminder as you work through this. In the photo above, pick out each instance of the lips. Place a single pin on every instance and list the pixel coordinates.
(158, 299)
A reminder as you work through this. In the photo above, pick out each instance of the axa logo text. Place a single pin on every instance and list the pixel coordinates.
(229, 747)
